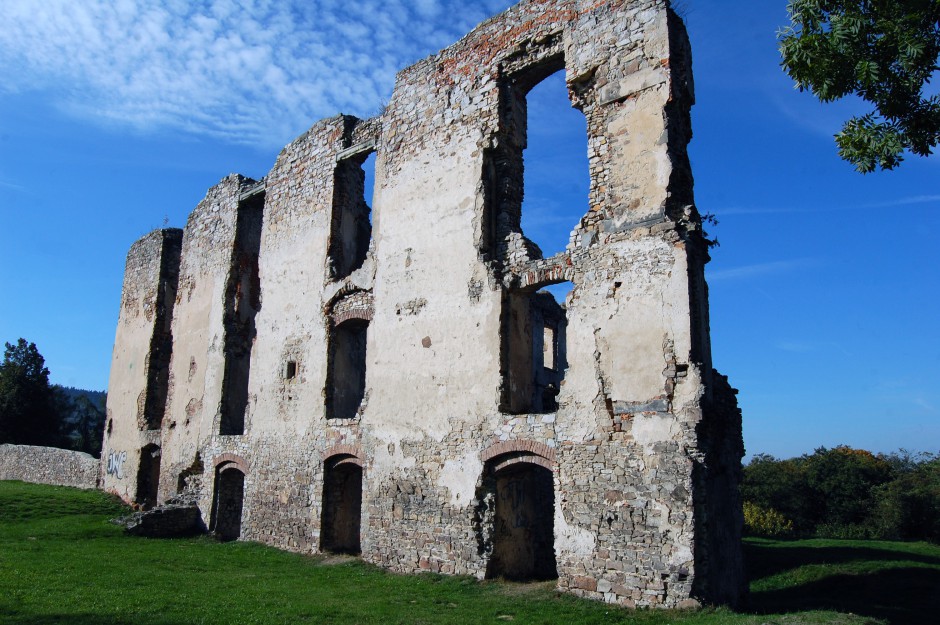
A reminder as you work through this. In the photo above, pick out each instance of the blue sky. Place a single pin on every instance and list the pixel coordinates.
(116, 116)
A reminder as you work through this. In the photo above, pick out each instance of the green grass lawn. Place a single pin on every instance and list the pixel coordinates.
(62, 562)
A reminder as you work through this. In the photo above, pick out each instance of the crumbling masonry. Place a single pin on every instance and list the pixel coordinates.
(319, 375)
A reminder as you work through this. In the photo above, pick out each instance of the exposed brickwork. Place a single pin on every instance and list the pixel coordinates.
(506, 447)
(228, 458)
(344, 450)
(355, 305)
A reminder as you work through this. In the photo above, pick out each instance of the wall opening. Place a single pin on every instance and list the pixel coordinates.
(521, 536)
(290, 370)
(556, 172)
(189, 479)
(346, 373)
(534, 350)
(227, 502)
(148, 477)
(351, 223)
(242, 303)
(342, 505)
(161, 342)
(536, 177)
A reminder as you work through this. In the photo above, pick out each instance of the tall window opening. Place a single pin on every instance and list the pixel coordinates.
(351, 224)
(161, 342)
(242, 303)
(536, 177)
(534, 353)
(148, 477)
(342, 505)
(227, 502)
(522, 495)
(557, 177)
(368, 183)
(346, 374)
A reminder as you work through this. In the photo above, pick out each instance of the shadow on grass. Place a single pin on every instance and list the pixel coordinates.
(18, 618)
(902, 594)
(764, 561)
(905, 596)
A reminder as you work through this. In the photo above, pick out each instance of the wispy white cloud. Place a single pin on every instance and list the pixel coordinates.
(904, 201)
(809, 345)
(760, 269)
(826, 119)
(247, 71)
(799, 347)
(771, 210)
(804, 111)
(10, 185)
(907, 391)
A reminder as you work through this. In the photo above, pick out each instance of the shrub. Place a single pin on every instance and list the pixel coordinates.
(760, 521)
(845, 531)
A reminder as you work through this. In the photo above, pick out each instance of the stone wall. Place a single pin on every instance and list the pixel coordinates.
(318, 341)
(48, 465)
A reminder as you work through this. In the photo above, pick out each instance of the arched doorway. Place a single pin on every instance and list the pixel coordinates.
(342, 505)
(148, 476)
(227, 501)
(521, 531)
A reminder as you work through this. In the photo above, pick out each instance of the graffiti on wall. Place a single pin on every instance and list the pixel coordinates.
(116, 463)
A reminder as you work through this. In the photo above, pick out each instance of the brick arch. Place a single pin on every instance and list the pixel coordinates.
(499, 465)
(523, 450)
(348, 291)
(223, 459)
(363, 314)
(344, 449)
(541, 273)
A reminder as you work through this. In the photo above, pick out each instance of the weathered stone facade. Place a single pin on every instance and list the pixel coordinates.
(393, 383)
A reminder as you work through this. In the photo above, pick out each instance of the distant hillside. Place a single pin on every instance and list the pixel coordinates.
(83, 417)
(98, 398)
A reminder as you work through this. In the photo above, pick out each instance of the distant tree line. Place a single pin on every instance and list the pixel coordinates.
(844, 493)
(35, 412)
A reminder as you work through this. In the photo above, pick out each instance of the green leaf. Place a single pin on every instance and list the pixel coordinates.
(884, 52)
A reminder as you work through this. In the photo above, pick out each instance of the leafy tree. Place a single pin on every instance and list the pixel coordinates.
(884, 51)
(908, 508)
(840, 483)
(844, 493)
(779, 485)
(29, 410)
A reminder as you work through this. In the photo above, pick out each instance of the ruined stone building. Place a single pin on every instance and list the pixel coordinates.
(319, 374)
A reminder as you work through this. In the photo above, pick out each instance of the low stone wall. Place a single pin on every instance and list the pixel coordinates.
(48, 465)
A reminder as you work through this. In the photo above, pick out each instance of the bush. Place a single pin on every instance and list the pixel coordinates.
(768, 522)
(846, 531)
